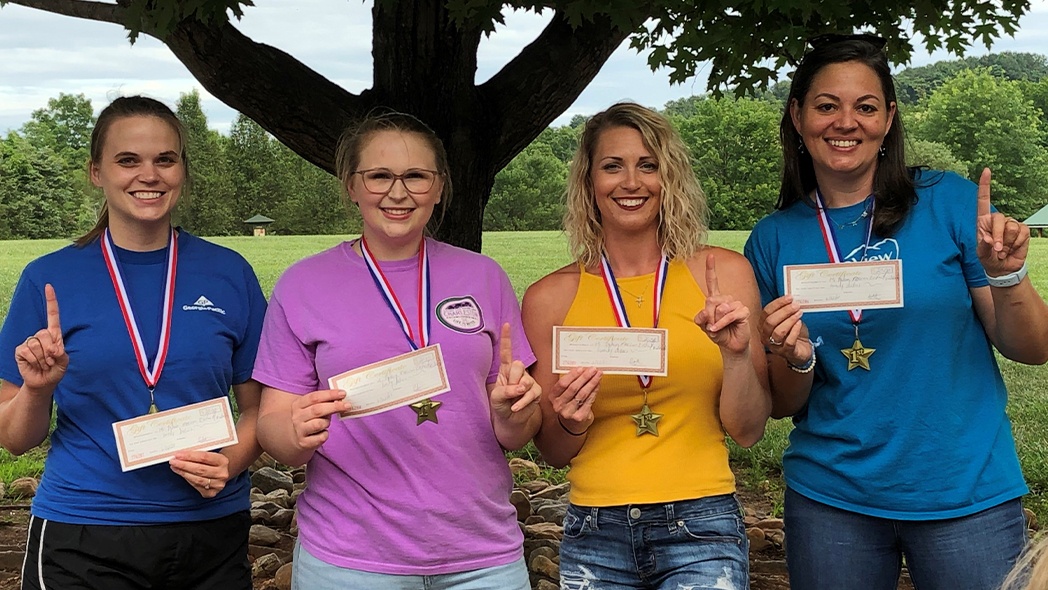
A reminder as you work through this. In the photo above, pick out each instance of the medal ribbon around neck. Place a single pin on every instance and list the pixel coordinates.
(829, 239)
(151, 375)
(391, 298)
(620, 309)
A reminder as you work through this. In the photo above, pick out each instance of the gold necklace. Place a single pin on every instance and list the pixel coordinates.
(638, 298)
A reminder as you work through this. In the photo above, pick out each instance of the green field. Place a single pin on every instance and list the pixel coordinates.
(527, 256)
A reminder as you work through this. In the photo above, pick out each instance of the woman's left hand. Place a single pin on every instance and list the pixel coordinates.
(514, 390)
(1003, 242)
(724, 319)
(206, 471)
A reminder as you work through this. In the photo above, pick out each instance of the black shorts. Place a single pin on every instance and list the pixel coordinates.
(202, 555)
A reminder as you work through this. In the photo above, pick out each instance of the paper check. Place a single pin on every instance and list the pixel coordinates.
(393, 382)
(849, 285)
(616, 351)
(156, 438)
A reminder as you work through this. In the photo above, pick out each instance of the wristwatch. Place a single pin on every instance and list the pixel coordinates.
(1008, 280)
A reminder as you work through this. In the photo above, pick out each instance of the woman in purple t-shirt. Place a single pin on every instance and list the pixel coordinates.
(394, 367)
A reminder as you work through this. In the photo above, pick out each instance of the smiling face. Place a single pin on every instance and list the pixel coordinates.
(625, 179)
(843, 122)
(395, 220)
(142, 174)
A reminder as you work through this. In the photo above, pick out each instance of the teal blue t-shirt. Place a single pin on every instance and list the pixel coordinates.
(923, 434)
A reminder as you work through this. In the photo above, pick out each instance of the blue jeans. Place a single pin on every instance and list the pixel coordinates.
(827, 547)
(690, 544)
(310, 573)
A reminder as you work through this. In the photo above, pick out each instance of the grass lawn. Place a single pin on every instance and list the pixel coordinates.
(527, 256)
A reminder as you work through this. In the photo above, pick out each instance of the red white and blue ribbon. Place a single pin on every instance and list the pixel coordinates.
(829, 239)
(151, 374)
(620, 309)
(391, 297)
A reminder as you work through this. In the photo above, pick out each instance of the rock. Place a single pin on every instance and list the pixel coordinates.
(299, 476)
(749, 521)
(294, 496)
(544, 530)
(259, 516)
(265, 566)
(23, 487)
(263, 535)
(553, 512)
(534, 519)
(282, 579)
(546, 585)
(282, 518)
(755, 534)
(776, 536)
(1031, 519)
(530, 545)
(520, 501)
(757, 539)
(268, 479)
(269, 507)
(264, 460)
(528, 470)
(256, 551)
(546, 552)
(552, 492)
(543, 565)
(535, 486)
(280, 497)
(771, 524)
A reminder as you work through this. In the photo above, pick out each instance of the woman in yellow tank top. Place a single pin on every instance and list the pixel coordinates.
(652, 496)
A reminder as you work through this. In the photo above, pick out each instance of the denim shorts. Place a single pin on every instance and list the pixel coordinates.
(688, 544)
(827, 547)
(310, 573)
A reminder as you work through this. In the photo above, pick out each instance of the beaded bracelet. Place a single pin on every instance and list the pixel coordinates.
(566, 429)
(807, 368)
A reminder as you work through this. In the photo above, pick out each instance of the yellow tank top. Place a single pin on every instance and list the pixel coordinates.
(689, 458)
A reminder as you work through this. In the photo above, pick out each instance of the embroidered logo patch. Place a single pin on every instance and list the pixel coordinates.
(461, 314)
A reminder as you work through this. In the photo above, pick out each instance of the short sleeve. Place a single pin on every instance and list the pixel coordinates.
(284, 361)
(26, 316)
(509, 312)
(246, 351)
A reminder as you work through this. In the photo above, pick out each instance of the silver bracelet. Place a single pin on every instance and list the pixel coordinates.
(808, 368)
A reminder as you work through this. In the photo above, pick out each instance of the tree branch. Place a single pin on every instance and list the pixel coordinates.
(538, 85)
(301, 108)
(99, 11)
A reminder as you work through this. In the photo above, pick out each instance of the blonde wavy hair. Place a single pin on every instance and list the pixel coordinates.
(683, 214)
(1031, 572)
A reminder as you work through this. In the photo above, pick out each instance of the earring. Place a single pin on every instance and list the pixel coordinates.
(882, 151)
(800, 146)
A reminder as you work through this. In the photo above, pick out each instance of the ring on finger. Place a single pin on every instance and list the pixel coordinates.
(580, 401)
(207, 486)
(30, 338)
(773, 341)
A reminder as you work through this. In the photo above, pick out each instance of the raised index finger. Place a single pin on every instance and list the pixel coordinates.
(505, 350)
(984, 193)
(53, 324)
(711, 276)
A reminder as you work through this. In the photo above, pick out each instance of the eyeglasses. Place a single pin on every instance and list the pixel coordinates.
(831, 38)
(416, 181)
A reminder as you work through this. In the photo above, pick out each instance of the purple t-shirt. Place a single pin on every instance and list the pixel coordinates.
(384, 495)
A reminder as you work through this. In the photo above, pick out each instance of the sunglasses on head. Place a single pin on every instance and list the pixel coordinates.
(832, 38)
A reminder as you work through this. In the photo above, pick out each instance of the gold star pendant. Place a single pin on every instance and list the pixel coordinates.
(858, 355)
(426, 411)
(647, 421)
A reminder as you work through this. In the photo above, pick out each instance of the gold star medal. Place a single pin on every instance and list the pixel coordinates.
(647, 421)
(858, 355)
(426, 410)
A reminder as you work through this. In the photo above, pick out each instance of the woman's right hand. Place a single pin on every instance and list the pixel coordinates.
(784, 333)
(42, 358)
(572, 398)
(311, 416)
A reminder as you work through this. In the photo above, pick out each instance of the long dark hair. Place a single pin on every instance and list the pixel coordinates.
(121, 108)
(893, 183)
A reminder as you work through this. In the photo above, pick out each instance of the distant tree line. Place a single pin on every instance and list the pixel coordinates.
(959, 115)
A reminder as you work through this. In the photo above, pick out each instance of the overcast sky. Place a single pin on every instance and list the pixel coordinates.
(42, 55)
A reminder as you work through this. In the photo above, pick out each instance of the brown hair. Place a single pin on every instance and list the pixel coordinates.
(356, 136)
(683, 212)
(121, 108)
